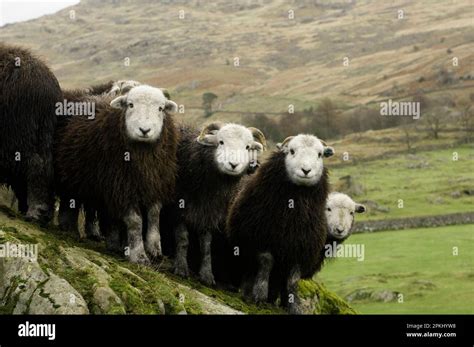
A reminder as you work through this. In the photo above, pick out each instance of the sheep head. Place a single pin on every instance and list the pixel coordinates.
(304, 158)
(236, 147)
(340, 210)
(145, 109)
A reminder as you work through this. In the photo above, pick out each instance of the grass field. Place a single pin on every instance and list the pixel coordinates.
(418, 263)
(424, 181)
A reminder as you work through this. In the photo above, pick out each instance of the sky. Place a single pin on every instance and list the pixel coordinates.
(12, 11)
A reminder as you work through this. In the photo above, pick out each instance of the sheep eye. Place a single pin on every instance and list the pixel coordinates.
(352, 213)
(320, 154)
(292, 152)
(248, 147)
(329, 209)
(221, 142)
(130, 105)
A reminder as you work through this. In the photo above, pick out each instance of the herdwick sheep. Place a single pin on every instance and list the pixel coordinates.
(68, 210)
(277, 222)
(123, 164)
(29, 92)
(211, 165)
(340, 210)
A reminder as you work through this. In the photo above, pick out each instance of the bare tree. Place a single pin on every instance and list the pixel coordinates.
(466, 118)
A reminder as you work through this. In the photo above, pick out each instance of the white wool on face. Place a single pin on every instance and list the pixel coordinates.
(304, 159)
(340, 211)
(144, 115)
(234, 149)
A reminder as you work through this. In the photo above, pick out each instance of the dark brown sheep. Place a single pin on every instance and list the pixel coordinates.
(69, 210)
(277, 222)
(28, 95)
(123, 164)
(211, 164)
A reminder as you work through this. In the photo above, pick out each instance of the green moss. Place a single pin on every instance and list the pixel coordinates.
(325, 302)
(10, 298)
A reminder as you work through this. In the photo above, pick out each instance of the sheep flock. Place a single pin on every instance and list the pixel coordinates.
(152, 187)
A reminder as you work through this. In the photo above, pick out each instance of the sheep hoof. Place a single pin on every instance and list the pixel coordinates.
(181, 270)
(259, 294)
(207, 278)
(39, 213)
(140, 259)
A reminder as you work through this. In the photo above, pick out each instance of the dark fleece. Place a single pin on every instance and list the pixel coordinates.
(260, 220)
(28, 97)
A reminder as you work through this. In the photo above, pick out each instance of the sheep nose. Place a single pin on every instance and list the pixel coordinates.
(306, 172)
(232, 165)
(339, 231)
(145, 131)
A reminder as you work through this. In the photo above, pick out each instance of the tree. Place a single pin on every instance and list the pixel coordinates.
(466, 118)
(207, 99)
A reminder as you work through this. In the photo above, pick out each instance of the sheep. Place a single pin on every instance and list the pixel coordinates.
(340, 209)
(68, 216)
(277, 222)
(28, 97)
(123, 164)
(211, 165)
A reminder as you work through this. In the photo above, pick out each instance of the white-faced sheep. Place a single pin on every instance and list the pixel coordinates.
(211, 164)
(340, 211)
(123, 163)
(278, 222)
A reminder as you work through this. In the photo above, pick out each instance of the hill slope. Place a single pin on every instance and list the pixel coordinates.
(281, 60)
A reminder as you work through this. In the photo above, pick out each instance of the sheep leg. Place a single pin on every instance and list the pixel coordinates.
(91, 228)
(21, 197)
(205, 272)
(39, 184)
(153, 237)
(260, 286)
(67, 216)
(181, 258)
(136, 252)
(294, 306)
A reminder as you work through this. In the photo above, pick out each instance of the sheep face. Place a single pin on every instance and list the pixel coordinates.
(235, 147)
(304, 158)
(340, 210)
(145, 109)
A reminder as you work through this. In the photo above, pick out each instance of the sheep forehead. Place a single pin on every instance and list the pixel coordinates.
(339, 200)
(235, 132)
(146, 95)
(306, 141)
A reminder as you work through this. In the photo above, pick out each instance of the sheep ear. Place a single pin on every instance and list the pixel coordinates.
(360, 208)
(171, 107)
(119, 102)
(328, 152)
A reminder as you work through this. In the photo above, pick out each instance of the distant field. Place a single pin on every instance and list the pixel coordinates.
(425, 181)
(419, 263)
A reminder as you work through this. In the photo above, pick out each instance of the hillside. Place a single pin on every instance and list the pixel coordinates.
(79, 277)
(282, 61)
